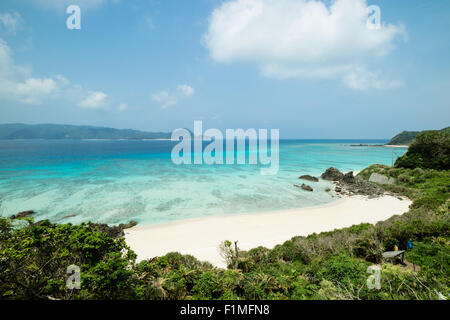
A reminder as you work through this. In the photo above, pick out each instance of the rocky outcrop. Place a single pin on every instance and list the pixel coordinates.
(309, 178)
(359, 186)
(348, 184)
(128, 225)
(111, 231)
(22, 214)
(332, 174)
(114, 231)
(381, 179)
(349, 178)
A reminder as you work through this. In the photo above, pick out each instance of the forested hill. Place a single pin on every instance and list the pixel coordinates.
(56, 131)
(407, 137)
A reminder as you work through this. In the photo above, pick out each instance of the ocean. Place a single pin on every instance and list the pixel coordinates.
(113, 182)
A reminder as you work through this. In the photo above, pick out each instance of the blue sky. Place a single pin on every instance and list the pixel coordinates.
(307, 68)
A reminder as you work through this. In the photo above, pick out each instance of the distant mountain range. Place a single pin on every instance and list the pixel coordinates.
(407, 137)
(57, 131)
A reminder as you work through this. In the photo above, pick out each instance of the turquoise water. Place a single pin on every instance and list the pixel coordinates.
(118, 181)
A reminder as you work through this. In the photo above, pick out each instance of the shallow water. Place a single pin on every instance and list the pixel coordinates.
(119, 181)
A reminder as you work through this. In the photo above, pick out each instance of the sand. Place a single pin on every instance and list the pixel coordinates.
(202, 237)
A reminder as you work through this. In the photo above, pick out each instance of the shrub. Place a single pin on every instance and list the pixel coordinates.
(430, 149)
(432, 256)
(208, 286)
(344, 269)
(34, 261)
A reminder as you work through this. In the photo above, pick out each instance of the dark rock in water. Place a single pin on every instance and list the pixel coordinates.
(349, 178)
(70, 216)
(22, 214)
(338, 189)
(327, 190)
(332, 174)
(128, 225)
(309, 178)
(307, 188)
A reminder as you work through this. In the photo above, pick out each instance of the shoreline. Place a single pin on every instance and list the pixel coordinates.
(201, 237)
(396, 146)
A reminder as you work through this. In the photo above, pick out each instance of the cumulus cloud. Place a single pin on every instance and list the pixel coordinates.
(168, 98)
(185, 90)
(302, 39)
(94, 100)
(17, 83)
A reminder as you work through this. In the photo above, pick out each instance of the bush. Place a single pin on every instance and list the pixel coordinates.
(433, 256)
(34, 261)
(343, 269)
(430, 149)
(208, 286)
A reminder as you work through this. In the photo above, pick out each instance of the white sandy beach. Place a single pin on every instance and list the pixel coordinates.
(202, 237)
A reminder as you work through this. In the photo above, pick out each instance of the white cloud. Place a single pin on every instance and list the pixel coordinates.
(10, 22)
(94, 100)
(17, 83)
(34, 89)
(301, 39)
(186, 90)
(167, 99)
(361, 79)
(62, 79)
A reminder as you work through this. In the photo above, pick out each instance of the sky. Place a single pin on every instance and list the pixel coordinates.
(312, 69)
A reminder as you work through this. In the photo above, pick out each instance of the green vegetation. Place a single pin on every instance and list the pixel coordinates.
(407, 137)
(57, 131)
(430, 149)
(34, 259)
(332, 265)
(404, 138)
